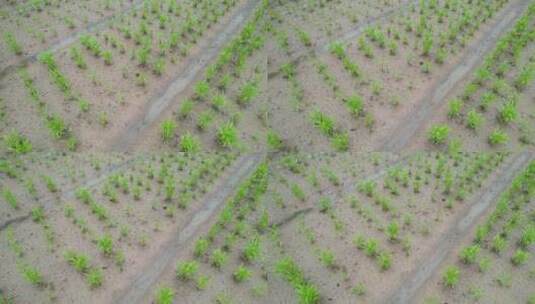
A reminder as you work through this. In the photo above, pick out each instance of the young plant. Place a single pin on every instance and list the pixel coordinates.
(17, 143)
(164, 295)
(474, 119)
(10, 198)
(218, 258)
(241, 274)
(12, 43)
(251, 252)
(185, 271)
(227, 135)
(323, 122)
(520, 257)
(94, 278)
(189, 143)
(469, 254)
(167, 130)
(450, 277)
(498, 137)
(438, 134)
(105, 244)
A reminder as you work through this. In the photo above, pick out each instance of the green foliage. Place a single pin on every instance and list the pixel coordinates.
(105, 244)
(227, 135)
(498, 137)
(469, 254)
(340, 142)
(185, 108)
(508, 112)
(17, 143)
(167, 130)
(392, 230)
(450, 277)
(202, 90)
(80, 262)
(94, 278)
(251, 252)
(186, 270)
(273, 140)
(241, 274)
(247, 93)
(474, 119)
(189, 143)
(384, 259)
(355, 105)
(323, 122)
(31, 274)
(438, 134)
(218, 258)
(164, 295)
(10, 198)
(12, 43)
(57, 127)
(307, 293)
(455, 106)
(520, 257)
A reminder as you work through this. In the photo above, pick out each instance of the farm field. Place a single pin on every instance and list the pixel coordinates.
(267, 151)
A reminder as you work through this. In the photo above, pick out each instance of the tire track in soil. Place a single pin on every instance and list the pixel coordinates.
(460, 229)
(141, 285)
(90, 28)
(345, 37)
(161, 102)
(50, 202)
(412, 124)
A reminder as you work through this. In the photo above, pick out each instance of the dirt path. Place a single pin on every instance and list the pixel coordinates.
(141, 285)
(415, 121)
(461, 227)
(194, 66)
(68, 194)
(90, 28)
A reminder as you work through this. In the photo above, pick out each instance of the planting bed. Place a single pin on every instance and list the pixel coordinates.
(267, 151)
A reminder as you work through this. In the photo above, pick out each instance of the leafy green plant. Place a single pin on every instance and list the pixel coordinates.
(105, 244)
(323, 122)
(167, 130)
(455, 106)
(185, 108)
(392, 231)
(218, 258)
(307, 293)
(498, 137)
(189, 143)
(17, 143)
(474, 119)
(186, 270)
(31, 274)
(94, 278)
(247, 93)
(384, 259)
(520, 257)
(355, 105)
(241, 274)
(12, 43)
(227, 135)
(164, 295)
(469, 254)
(508, 112)
(438, 134)
(450, 277)
(340, 142)
(80, 262)
(251, 252)
(10, 198)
